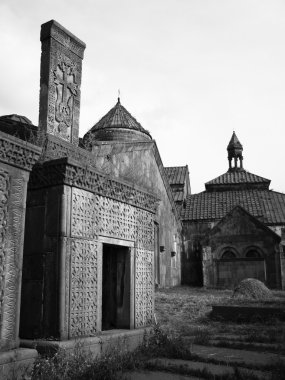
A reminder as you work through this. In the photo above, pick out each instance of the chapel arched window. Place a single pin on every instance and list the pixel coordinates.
(252, 253)
(228, 254)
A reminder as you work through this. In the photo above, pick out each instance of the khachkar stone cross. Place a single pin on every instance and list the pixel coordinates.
(61, 68)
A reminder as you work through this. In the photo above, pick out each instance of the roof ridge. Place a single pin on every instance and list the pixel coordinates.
(237, 174)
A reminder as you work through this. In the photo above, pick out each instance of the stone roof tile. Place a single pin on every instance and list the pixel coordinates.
(267, 205)
(118, 117)
(237, 177)
(176, 174)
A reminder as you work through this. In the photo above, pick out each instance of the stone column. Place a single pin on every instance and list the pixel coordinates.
(61, 68)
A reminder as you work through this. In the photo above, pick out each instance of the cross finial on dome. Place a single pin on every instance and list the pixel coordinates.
(119, 93)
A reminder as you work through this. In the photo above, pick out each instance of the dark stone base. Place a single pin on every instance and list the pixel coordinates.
(98, 345)
(247, 313)
(15, 364)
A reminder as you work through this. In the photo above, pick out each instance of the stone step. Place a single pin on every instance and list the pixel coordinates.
(232, 356)
(197, 368)
(158, 375)
(271, 347)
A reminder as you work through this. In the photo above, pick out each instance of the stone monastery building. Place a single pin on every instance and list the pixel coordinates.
(89, 227)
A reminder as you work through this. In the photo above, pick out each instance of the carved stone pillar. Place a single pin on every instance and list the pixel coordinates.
(61, 68)
(16, 161)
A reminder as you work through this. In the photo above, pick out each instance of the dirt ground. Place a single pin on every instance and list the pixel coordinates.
(185, 312)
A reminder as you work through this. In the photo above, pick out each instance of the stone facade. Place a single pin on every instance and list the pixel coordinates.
(77, 213)
(241, 247)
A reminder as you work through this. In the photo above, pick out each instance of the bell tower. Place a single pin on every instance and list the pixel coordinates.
(235, 154)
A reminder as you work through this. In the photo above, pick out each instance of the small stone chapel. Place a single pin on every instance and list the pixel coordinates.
(235, 229)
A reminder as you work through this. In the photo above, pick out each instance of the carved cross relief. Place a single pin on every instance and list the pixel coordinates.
(66, 90)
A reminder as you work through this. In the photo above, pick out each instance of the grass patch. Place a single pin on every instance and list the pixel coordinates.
(185, 311)
(81, 365)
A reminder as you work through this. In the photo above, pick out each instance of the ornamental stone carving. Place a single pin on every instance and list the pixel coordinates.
(17, 153)
(61, 67)
(66, 90)
(84, 268)
(4, 194)
(94, 215)
(69, 172)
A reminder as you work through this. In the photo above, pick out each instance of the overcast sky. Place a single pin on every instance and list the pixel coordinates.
(190, 71)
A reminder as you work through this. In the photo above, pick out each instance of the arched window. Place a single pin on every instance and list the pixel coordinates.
(252, 253)
(228, 254)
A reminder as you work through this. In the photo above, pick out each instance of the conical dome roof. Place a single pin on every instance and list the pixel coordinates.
(118, 124)
(234, 142)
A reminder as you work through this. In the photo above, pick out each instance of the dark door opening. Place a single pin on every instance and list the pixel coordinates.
(116, 287)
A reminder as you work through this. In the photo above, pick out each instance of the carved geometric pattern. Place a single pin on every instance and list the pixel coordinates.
(87, 178)
(13, 262)
(94, 215)
(144, 288)
(83, 210)
(116, 219)
(17, 153)
(65, 40)
(83, 288)
(145, 231)
(4, 194)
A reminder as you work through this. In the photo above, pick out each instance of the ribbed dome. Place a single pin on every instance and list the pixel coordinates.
(17, 118)
(118, 124)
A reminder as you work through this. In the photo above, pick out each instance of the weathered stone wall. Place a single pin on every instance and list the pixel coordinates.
(139, 163)
(63, 255)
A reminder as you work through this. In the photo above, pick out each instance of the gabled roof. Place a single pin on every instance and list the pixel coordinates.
(242, 213)
(118, 117)
(176, 174)
(267, 205)
(239, 177)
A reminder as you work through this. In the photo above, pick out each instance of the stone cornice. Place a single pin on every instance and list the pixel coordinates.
(54, 148)
(18, 153)
(67, 171)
